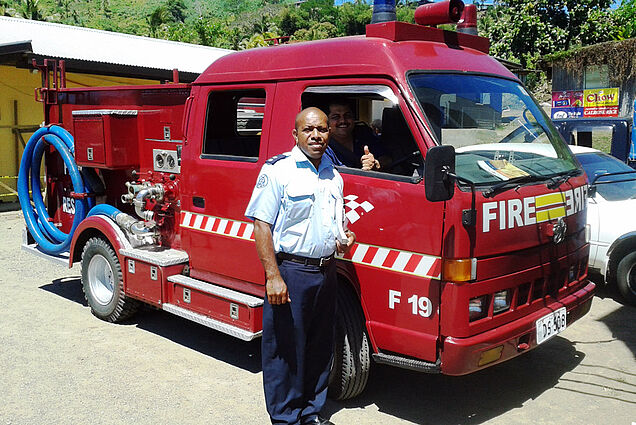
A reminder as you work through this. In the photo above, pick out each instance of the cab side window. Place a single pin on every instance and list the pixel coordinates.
(233, 125)
(376, 121)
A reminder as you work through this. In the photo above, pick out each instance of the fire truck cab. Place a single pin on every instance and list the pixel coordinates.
(472, 245)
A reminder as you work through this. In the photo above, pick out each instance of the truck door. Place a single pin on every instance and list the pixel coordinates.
(398, 230)
(227, 147)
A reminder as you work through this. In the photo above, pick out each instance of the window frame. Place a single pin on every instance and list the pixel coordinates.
(242, 91)
(388, 90)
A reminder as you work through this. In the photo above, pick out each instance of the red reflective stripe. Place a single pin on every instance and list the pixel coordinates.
(390, 258)
(412, 263)
(215, 226)
(193, 217)
(436, 268)
(368, 257)
(241, 230)
(204, 222)
(352, 251)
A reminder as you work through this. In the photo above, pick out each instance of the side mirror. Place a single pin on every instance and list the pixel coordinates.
(591, 191)
(439, 186)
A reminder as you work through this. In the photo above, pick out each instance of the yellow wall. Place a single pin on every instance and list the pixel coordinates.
(18, 85)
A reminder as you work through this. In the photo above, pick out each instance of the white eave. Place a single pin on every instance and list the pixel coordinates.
(84, 44)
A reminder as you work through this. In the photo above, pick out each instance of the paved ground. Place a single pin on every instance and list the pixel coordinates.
(60, 365)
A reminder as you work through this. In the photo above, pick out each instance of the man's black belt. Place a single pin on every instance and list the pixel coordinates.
(321, 262)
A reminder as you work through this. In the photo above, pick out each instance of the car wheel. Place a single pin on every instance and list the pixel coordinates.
(626, 278)
(103, 284)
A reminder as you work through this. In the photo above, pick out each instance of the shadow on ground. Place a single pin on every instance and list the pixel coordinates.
(244, 355)
(412, 396)
(470, 399)
(621, 321)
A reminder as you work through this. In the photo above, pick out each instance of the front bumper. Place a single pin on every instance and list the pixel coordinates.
(461, 356)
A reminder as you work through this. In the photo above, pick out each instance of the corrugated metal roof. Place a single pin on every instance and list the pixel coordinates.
(68, 42)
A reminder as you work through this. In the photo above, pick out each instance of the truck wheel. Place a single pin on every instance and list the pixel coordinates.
(352, 357)
(626, 278)
(102, 282)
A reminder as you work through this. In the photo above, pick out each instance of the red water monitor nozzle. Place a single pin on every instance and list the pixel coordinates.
(443, 12)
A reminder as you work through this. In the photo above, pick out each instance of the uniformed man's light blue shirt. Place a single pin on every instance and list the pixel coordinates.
(300, 203)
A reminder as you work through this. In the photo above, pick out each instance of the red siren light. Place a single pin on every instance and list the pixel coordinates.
(443, 12)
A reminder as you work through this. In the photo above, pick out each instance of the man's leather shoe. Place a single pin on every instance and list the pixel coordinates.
(317, 420)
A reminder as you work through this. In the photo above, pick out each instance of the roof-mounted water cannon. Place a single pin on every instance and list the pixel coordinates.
(383, 11)
(443, 12)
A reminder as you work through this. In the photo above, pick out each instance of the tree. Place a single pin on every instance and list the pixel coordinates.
(30, 9)
(177, 10)
(625, 17)
(525, 30)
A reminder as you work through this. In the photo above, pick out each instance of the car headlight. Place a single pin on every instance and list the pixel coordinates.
(501, 301)
(477, 308)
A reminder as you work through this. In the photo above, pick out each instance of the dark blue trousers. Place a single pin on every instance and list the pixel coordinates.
(297, 344)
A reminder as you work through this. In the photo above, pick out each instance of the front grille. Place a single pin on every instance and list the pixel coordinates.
(527, 293)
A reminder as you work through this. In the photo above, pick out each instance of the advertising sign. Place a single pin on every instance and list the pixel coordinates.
(567, 104)
(585, 103)
(600, 103)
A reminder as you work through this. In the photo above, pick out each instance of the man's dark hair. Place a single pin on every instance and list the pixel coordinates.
(340, 101)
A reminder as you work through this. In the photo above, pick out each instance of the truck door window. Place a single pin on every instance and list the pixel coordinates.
(233, 125)
(378, 123)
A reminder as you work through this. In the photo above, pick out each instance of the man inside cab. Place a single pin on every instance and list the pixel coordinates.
(351, 145)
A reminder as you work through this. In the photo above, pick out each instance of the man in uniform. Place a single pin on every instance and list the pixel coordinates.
(294, 208)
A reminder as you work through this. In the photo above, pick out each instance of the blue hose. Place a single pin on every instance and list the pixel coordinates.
(51, 239)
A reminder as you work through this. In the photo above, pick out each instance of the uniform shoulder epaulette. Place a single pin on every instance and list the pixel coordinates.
(275, 159)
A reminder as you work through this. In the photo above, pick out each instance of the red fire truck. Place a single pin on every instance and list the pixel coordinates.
(472, 244)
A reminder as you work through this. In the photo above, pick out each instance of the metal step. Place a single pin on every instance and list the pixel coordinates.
(219, 291)
(156, 255)
(211, 323)
(408, 363)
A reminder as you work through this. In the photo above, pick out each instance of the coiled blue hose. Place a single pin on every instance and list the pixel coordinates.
(51, 239)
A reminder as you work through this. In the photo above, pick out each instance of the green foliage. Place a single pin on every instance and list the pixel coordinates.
(29, 9)
(525, 30)
(625, 17)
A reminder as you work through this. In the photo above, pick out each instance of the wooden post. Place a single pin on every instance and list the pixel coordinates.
(16, 137)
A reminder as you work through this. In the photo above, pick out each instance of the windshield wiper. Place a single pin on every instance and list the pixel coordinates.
(508, 184)
(562, 178)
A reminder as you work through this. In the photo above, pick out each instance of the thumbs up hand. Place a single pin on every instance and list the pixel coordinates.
(368, 160)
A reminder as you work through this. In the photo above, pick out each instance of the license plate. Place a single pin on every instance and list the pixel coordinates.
(551, 324)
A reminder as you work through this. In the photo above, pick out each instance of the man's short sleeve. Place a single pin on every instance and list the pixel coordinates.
(266, 196)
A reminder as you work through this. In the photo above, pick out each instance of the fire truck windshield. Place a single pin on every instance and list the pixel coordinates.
(498, 130)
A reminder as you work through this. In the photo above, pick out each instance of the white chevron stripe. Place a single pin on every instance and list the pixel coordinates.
(380, 256)
(424, 266)
(186, 218)
(235, 228)
(209, 224)
(361, 251)
(222, 224)
(401, 261)
(197, 221)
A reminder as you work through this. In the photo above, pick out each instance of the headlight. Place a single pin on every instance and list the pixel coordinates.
(501, 302)
(477, 308)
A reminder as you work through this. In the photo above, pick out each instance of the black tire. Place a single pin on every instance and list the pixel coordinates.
(626, 278)
(103, 284)
(352, 355)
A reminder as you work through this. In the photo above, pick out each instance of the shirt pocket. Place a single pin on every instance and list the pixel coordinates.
(298, 205)
(330, 214)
